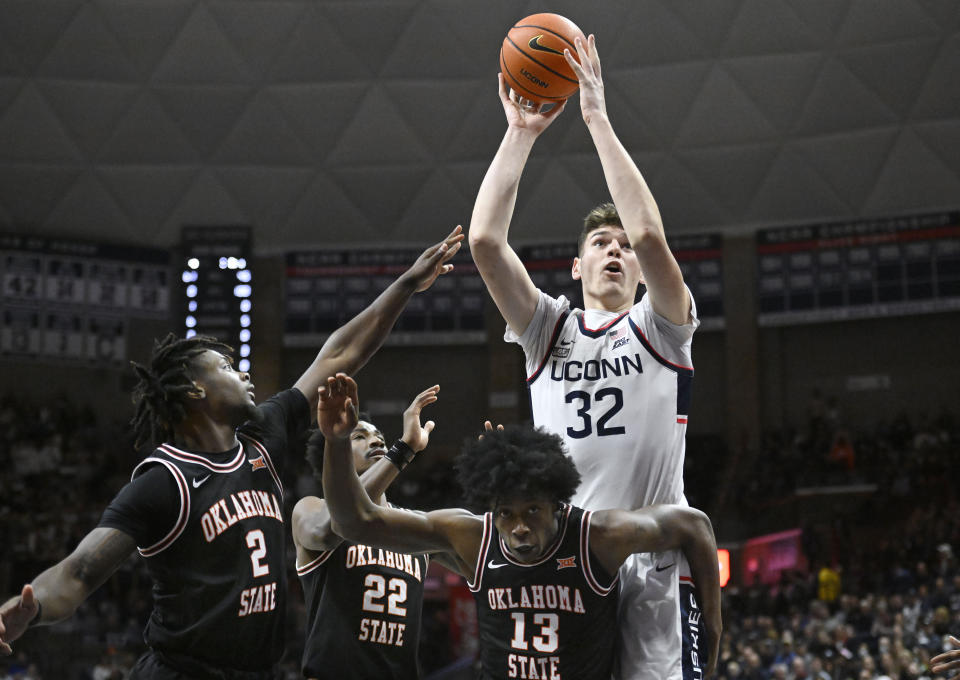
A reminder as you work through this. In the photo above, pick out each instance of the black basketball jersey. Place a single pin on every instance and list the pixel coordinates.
(363, 613)
(219, 579)
(552, 619)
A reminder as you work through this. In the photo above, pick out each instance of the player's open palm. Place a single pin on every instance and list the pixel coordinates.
(592, 101)
(520, 116)
(15, 615)
(948, 663)
(414, 434)
(433, 261)
(337, 408)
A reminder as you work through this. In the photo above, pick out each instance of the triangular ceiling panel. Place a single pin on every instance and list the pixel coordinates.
(834, 155)
(651, 35)
(943, 139)
(258, 30)
(89, 110)
(416, 102)
(913, 178)
(553, 206)
(661, 96)
(943, 12)
(205, 201)
(372, 28)
(316, 53)
(482, 26)
(939, 98)
(709, 21)
(467, 177)
(146, 29)
(201, 53)
(870, 23)
(822, 18)
(723, 114)
(280, 192)
(910, 61)
(683, 201)
(263, 136)
(794, 192)
(88, 209)
(768, 27)
(364, 187)
(587, 172)
(29, 131)
(377, 134)
(323, 216)
(439, 204)
(29, 194)
(778, 84)
(88, 48)
(147, 195)
(731, 175)
(9, 89)
(204, 113)
(319, 114)
(147, 134)
(840, 102)
(30, 34)
(427, 48)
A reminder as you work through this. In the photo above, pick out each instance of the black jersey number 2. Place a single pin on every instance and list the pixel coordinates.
(606, 395)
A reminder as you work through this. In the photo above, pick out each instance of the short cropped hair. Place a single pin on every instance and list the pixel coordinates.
(520, 462)
(315, 442)
(603, 215)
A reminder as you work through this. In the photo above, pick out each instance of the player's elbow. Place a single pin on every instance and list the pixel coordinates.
(483, 243)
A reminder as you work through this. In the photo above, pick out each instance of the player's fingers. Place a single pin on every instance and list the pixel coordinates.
(574, 64)
(5, 649)
(556, 110)
(500, 428)
(429, 425)
(502, 89)
(28, 599)
(954, 641)
(594, 56)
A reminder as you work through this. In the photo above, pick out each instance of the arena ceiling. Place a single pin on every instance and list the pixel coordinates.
(373, 121)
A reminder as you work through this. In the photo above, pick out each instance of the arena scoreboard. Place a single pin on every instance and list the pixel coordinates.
(858, 269)
(73, 300)
(699, 257)
(327, 288)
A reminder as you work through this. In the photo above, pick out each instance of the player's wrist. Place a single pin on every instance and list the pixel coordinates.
(400, 454)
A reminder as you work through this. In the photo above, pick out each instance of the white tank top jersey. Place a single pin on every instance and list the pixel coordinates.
(617, 388)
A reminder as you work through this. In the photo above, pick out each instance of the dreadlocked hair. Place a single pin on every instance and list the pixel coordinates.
(159, 395)
(522, 461)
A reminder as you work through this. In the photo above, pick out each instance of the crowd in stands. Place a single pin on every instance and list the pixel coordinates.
(882, 593)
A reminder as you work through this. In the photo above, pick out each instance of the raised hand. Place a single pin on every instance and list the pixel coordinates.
(433, 262)
(415, 435)
(592, 101)
(948, 662)
(519, 116)
(337, 408)
(15, 616)
(488, 427)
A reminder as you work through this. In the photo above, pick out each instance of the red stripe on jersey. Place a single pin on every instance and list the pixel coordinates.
(682, 419)
(553, 341)
(266, 456)
(550, 551)
(314, 563)
(662, 358)
(583, 322)
(181, 524)
(585, 552)
(197, 459)
(474, 586)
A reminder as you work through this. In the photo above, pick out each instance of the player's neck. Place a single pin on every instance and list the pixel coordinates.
(197, 433)
(611, 305)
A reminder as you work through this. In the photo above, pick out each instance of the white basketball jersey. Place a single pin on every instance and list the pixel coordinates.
(617, 388)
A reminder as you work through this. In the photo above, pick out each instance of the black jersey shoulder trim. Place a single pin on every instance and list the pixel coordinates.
(474, 585)
(585, 561)
(553, 341)
(561, 533)
(267, 459)
(597, 332)
(314, 563)
(203, 461)
(184, 515)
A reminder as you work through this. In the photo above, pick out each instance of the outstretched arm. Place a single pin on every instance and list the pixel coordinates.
(947, 663)
(503, 273)
(312, 528)
(57, 592)
(615, 534)
(635, 203)
(357, 518)
(351, 346)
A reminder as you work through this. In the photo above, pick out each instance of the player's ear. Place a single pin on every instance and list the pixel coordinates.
(196, 392)
(575, 269)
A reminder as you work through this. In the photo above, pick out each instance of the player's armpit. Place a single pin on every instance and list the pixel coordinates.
(312, 527)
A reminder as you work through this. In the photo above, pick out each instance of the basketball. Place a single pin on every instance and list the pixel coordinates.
(532, 61)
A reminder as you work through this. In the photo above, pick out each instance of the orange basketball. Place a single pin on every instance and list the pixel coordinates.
(531, 58)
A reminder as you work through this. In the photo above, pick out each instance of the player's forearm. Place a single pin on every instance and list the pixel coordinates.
(497, 196)
(635, 203)
(351, 510)
(700, 548)
(59, 594)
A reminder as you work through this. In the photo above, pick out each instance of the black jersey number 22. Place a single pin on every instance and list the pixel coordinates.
(611, 398)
